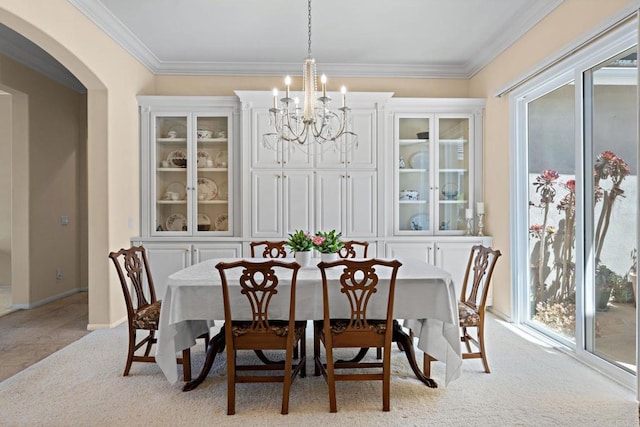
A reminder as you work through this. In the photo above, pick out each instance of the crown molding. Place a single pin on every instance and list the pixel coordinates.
(518, 27)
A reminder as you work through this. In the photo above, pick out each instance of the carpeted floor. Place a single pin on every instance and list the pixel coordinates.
(530, 385)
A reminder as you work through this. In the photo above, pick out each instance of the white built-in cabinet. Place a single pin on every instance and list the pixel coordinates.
(262, 194)
(318, 189)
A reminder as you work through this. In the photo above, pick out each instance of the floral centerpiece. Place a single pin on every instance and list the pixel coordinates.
(328, 244)
(301, 243)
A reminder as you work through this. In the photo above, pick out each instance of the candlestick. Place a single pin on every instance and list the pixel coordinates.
(469, 231)
(468, 213)
(480, 224)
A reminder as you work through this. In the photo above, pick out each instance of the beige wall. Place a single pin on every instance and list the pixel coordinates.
(54, 125)
(113, 79)
(567, 23)
(5, 189)
(225, 86)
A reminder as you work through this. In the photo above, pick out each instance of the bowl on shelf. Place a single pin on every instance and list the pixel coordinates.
(450, 191)
(408, 195)
(204, 133)
(181, 162)
(423, 135)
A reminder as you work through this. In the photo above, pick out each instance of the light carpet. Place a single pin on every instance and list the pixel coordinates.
(530, 385)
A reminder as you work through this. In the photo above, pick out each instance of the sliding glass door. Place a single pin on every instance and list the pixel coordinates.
(575, 204)
(611, 129)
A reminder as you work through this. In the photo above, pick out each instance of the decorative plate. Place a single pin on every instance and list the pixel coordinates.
(177, 187)
(420, 160)
(222, 222)
(207, 189)
(176, 222)
(419, 222)
(177, 158)
(221, 159)
(223, 192)
(203, 156)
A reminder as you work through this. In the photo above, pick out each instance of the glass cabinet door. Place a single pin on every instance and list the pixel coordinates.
(212, 174)
(170, 135)
(453, 173)
(413, 192)
(191, 179)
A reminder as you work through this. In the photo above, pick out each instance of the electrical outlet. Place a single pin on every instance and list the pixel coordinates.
(58, 274)
(64, 220)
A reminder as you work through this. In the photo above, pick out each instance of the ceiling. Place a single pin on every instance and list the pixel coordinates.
(350, 38)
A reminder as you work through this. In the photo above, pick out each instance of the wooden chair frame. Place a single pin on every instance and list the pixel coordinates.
(271, 249)
(473, 298)
(132, 266)
(358, 282)
(349, 249)
(259, 283)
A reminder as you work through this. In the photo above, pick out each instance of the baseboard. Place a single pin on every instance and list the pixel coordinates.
(95, 326)
(499, 314)
(46, 300)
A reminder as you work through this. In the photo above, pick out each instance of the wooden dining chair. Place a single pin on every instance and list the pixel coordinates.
(254, 287)
(143, 308)
(472, 304)
(353, 249)
(360, 284)
(266, 249)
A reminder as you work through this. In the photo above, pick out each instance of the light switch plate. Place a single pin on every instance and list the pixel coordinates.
(64, 220)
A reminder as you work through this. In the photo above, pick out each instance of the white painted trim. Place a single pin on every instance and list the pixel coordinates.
(95, 326)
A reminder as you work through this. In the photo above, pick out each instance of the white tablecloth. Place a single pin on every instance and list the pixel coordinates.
(425, 298)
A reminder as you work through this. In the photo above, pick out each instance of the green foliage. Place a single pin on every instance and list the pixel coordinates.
(300, 241)
(327, 242)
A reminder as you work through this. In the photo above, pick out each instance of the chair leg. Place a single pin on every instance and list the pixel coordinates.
(483, 353)
(331, 380)
(186, 364)
(378, 353)
(286, 380)
(427, 359)
(231, 380)
(132, 345)
(465, 338)
(316, 349)
(303, 353)
(386, 379)
(150, 343)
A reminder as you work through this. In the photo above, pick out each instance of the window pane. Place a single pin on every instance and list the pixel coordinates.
(551, 136)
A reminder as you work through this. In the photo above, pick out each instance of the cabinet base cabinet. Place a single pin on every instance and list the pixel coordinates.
(167, 258)
(450, 255)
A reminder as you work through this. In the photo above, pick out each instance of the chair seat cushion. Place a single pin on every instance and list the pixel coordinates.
(147, 317)
(468, 315)
(278, 327)
(338, 326)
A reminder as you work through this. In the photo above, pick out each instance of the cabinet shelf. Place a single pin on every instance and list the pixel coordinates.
(412, 202)
(213, 169)
(213, 202)
(210, 140)
(176, 169)
(452, 141)
(171, 140)
(452, 202)
(454, 170)
(172, 202)
(412, 170)
(413, 141)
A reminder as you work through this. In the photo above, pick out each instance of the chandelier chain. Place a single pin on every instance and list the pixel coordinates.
(309, 30)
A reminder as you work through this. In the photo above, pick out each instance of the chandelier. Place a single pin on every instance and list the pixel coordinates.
(312, 122)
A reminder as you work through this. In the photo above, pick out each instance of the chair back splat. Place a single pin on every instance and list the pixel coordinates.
(258, 289)
(361, 318)
(266, 249)
(353, 249)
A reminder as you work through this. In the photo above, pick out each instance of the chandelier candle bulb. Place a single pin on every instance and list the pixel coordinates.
(287, 82)
(343, 91)
(275, 98)
(323, 80)
(480, 208)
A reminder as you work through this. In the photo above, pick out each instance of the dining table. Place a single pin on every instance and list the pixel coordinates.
(425, 302)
